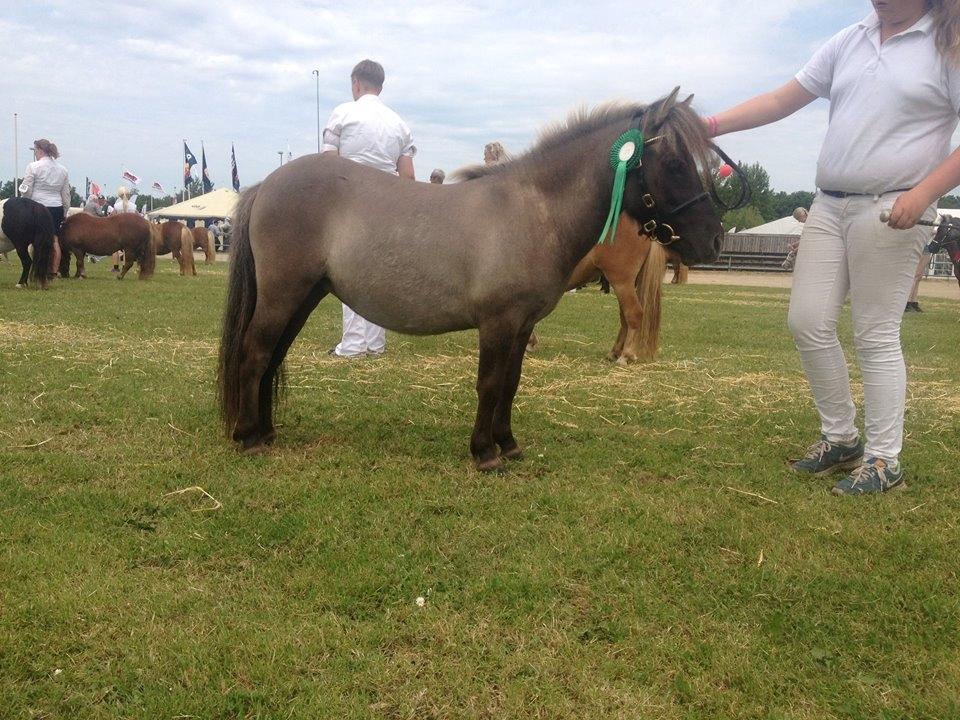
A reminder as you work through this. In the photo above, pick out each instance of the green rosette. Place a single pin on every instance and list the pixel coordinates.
(625, 155)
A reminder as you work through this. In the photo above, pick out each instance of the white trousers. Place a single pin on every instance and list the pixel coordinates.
(360, 336)
(846, 250)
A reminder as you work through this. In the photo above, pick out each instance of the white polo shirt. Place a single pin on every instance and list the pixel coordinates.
(893, 107)
(368, 132)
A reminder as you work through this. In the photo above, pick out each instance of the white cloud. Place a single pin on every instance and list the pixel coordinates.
(121, 85)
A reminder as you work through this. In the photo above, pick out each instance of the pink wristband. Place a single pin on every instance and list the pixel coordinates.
(711, 125)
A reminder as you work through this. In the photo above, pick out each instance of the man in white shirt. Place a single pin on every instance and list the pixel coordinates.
(368, 132)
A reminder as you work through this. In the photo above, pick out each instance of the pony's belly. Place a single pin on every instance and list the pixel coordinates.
(5, 244)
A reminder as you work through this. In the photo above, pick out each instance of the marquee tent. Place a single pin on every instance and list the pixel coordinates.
(214, 205)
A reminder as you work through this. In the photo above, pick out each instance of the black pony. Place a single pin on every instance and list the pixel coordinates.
(26, 222)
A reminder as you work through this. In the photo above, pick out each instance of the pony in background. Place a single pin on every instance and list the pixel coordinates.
(26, 223)
(83, 233)
(175, 238)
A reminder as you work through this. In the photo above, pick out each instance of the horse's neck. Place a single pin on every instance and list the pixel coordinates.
(576, 188)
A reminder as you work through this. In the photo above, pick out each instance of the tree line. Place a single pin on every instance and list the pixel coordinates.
(767, 205)
(142, 201)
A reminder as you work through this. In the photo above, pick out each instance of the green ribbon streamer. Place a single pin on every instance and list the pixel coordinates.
(621, 167)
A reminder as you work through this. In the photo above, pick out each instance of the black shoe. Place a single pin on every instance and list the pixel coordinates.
(912, 307)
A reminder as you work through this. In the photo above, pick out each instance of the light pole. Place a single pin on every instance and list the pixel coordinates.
(16, 157)
(280, 153)
(317, 73)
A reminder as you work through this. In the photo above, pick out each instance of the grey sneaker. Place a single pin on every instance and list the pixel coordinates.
(873, 476)
(825, 458)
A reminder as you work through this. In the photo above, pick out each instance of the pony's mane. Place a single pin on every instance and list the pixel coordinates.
(681, 128)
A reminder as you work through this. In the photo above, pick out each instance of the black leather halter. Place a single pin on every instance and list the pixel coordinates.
(657, 227)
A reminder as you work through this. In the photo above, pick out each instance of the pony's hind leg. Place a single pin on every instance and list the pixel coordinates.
(26, 261)
(127, 264)
(275, 323)
(81, 269)
(299, 319)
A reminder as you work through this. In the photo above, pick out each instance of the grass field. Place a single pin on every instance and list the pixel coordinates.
(651, 558)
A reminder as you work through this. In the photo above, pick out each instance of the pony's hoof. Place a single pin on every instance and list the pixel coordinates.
(20, 286)
(512, 453)
(625, 360)
(254, 450)
(269, 437)
(612, 356)
(492, 466)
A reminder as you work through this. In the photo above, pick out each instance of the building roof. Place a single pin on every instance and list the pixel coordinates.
(784, 226)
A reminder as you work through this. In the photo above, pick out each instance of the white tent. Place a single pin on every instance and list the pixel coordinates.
(784, 226)
(214, 205)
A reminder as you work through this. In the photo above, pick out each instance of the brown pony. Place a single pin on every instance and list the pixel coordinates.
(493, 252)
(203, 240)
(633, 265)
(175, 237)
(83, 233)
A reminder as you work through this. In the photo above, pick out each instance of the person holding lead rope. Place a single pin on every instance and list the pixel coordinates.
(893, 82)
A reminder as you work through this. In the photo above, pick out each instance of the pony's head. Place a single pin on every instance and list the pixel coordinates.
(670, 193)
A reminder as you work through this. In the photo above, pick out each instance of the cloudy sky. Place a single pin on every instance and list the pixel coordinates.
(120, 85)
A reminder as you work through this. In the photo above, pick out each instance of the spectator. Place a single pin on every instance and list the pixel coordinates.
(903, 57)
(438, 176)
(368, 132)
(46, 181)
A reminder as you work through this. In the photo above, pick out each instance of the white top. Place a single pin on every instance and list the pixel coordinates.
(893, 107)
(131, 206)
(46, 181)
(368, 132)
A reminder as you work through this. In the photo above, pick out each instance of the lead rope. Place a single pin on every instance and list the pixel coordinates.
(625, 155)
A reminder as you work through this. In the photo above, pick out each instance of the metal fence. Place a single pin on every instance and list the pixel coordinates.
(766, 253)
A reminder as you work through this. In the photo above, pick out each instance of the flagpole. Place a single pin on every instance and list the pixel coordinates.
(186, 181)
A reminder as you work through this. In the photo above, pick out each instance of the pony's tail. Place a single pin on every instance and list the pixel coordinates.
(43, 232)
(209, 249)
(649, 290)
(241, 302)
(148, 256)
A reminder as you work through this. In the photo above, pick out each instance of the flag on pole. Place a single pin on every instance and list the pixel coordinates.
(158, 187)
(94, 188)
(207, 184)
(188, 162)
(130, 177)
(235, 175)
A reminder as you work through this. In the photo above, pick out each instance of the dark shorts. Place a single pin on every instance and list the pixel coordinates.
(57, 213)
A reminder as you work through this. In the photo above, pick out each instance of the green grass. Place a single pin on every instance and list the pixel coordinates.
(620, 571)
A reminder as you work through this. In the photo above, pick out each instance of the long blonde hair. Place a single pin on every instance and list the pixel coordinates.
(946, 20)
(124, 195)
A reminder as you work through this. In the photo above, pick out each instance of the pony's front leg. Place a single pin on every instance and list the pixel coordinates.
(631, 315)
(496, 343)
(502, 432)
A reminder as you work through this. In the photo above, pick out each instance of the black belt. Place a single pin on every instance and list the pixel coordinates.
(841, 194)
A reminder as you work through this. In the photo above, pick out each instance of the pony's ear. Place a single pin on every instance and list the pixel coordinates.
(664, 107)
(688, 100)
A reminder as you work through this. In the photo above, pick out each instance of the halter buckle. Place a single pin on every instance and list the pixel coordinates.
(650, 225)
(673, 235)
(648, 200)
